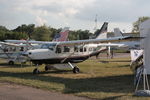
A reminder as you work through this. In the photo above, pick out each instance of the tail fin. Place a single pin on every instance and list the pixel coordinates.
(117, 32)
(102, 33)
(63, 35)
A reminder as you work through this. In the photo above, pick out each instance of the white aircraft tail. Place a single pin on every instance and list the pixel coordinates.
(102, 33)
(117, 32)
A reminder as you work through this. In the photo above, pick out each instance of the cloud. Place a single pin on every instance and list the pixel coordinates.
(40, 21)
(76, 13)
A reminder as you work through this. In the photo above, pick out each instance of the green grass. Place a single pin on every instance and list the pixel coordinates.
(105, 81)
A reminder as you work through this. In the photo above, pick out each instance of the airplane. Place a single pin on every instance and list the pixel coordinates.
(65, 53)
(12, 49)
(102, 33)
(62, 36)
(126, 45)
(11, 52)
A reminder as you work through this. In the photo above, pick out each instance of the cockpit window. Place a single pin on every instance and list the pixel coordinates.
(50, 46)
(58, 49)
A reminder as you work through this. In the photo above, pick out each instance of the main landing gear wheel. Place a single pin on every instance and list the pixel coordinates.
(11, 62)
(36, 71)
(76, 70)
(46, 68)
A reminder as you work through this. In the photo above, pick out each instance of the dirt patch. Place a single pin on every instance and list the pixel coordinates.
(9, 91)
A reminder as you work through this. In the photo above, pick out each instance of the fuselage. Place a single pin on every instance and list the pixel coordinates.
(53, 54)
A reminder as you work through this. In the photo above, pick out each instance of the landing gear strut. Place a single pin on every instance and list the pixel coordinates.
(36, 71)
(75, 68)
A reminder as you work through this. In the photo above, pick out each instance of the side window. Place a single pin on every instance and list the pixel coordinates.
(51, 48)
(75, 49)
(84, 49)
(58, 50)
(81, 49)
(66, 49)
(22, 49)
(90, 49)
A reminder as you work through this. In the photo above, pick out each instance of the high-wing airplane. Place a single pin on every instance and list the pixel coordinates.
(12, 49)
(62, 36)
(102, 33)
(12, 52)
(67, 52)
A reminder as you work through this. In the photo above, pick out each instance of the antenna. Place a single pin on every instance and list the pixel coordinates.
(95, 22)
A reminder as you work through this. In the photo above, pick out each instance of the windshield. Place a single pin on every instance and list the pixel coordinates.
(48, 46)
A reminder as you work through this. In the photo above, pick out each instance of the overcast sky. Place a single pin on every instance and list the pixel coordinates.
(77, 14)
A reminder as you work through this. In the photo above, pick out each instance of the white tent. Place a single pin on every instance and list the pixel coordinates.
(145, 43)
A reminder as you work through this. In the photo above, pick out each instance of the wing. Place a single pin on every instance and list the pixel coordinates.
(9, 44)
(114, 39)
(78, 42)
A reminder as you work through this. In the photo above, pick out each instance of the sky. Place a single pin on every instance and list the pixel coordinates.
(76, 14)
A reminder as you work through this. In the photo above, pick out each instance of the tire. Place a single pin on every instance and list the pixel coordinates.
(11, 62)
(76, 70)
(46, 68)
(36, 71)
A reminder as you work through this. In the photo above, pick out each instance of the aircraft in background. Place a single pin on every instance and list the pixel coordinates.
(12, 49)
(128, 44)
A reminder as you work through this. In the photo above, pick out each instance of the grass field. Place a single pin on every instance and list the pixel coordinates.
(104, 81)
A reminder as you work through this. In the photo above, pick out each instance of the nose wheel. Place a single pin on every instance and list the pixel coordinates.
(46, 68)
(36, 71)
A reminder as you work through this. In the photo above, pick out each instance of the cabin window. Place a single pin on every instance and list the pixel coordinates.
(66, 49)
(84, 49)
(90, 49)
(58, 50)
(75, 49)
(22, 49)
(94, 49)
(81, 49)
(51, 48)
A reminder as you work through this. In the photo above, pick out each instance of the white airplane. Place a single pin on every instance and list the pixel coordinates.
(11, 52)
(67, 52)
(62, 36)
(102, 33)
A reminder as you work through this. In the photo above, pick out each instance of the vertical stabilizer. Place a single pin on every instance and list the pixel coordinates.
(102, 33)
(63, 35)
(117, 32)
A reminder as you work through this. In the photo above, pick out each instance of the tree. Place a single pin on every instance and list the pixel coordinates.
(41, 33)
(27, 29)
(137, 23)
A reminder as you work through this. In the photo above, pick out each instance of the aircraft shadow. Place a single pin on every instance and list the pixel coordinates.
(116, 84)
(13, 66)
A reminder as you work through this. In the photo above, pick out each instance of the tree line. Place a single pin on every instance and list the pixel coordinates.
(40, 33)
(47, 33)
